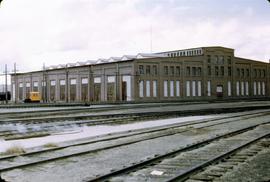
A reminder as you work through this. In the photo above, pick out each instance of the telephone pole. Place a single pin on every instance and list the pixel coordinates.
(6, 90)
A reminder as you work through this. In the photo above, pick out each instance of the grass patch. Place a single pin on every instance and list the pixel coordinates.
(15, 150)
(50, 145)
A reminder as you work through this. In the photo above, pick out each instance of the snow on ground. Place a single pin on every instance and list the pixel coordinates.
(90, 131)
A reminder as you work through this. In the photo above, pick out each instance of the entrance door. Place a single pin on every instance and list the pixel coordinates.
(124, 90)
(219, 91)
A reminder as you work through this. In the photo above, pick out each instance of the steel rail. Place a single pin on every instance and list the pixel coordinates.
(172, 153)
(148, 131)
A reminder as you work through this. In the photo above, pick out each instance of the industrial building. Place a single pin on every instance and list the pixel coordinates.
(205, 73)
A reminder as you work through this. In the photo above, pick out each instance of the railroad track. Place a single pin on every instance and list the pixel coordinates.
(218, 171)
(180, 164)
(108, 112)
(48, 127)
(39, 157)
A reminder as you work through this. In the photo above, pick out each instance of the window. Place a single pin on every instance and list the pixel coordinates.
(216, 60)
(209, 70)
(73, 81)
(247, 72)
(188, 71)
(242, 88)
(154, 88)
(97, 80)
(188, 88)
(237, 89)
(141, 70)
(172, 88)
(110, 79)
(165, 88)
(155, 69)
(260, 73)
(229, 60)
(199, 71)
(222, 70)
(177, 88)
(165, 70)
(193, 88)
(255, 73)
(221, 60)
(147, 88)
(216, 70)
(259, 88)
(208, 88)
(209, 59)
(52, 83)
(199, 88)
(242, 73)
(247, 88)
(193, 71)
(229, 88)
(147, 69)
(238, 72)
(141, 88)
(178, 70)
(229, 71)
(172, 70)
(254, 88)
(263, 73)
(263, 88)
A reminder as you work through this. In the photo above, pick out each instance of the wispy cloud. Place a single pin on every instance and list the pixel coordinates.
(33, 32)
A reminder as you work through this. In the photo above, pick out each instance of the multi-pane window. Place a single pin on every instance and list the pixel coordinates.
(209, 59)
(216, 60)
(247, 72)
(216, 70)
(177, 70)
(242, 73)
(155, 69)
(147, 88)
(222, 70)
(199, 71)
(155, 88)
(165, 88)
(209, 70)
(141, 84)
(221, 60)
(229, 88)
(147, 70)
(255, 73)
(141, 70)
(171, 70)
(229, 60)
(188, 71)
(208, 88)
(177, 88)
(188, 88)
(172, 88)
(166, 70)
(193, 71)
(238, 72)
(229, 71)
(199, 88)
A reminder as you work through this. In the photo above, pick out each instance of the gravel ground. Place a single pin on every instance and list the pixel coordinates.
(256, 170)
(78, 168)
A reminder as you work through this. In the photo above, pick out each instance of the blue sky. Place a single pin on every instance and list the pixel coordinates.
(35, 31)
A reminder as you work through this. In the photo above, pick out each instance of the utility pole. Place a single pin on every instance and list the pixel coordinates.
(6, 90)
(15, 83)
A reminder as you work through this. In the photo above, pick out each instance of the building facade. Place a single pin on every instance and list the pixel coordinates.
(205, 73)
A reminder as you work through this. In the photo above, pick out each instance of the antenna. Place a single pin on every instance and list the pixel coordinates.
(151, 43)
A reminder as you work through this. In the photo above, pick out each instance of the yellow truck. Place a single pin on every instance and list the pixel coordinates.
(33, 97)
